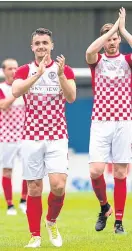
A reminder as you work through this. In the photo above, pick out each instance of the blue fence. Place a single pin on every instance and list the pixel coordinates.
(78, 117)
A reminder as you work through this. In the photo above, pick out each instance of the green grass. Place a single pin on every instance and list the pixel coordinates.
(76, 225)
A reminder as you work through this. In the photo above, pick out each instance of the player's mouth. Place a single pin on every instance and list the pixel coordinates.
(41, 51)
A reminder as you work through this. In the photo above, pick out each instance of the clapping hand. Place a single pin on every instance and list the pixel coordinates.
(61, 64)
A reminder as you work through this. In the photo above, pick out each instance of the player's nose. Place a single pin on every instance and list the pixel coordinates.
(41, 45)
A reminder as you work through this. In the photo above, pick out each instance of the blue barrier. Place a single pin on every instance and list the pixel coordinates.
(78, 117)
(81, 185)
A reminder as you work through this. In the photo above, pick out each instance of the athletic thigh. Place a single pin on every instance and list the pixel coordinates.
(121, 144)
(56, 156)
(32, 155)
(101, 134)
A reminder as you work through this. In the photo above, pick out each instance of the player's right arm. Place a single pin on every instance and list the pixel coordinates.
(93, 50)
(22, 83)
(21, 86)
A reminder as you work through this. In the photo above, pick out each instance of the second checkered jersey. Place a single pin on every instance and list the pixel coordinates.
(45, 103)
(11, 119)
(112, 86)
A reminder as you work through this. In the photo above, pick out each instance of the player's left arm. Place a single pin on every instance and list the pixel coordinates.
(122, 28)
(5, 103)
(66, 78)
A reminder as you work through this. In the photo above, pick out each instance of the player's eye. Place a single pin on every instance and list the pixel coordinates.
(37, 43)
(45, 42)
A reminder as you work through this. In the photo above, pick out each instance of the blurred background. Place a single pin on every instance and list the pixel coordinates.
(75, 24)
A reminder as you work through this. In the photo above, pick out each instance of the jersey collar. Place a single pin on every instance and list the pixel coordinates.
(112, 56)
(47, 66)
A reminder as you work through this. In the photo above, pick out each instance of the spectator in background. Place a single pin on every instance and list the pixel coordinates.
(12, 114)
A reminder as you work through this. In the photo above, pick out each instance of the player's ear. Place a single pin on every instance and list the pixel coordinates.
(52, 47)
(120, 39)
(31, 47)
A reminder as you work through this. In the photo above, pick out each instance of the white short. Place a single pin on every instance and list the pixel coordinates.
(42, 157)
(8, 153)
(110, 141)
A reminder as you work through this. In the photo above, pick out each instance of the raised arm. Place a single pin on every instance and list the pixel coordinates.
(96, 46)
(66, 78)
(21, 86)
(122, 28)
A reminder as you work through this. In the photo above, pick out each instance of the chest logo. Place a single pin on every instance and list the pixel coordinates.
(52, 75)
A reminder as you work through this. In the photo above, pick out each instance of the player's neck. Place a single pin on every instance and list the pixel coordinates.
(38, 60)
(8, 81)
(112, 55)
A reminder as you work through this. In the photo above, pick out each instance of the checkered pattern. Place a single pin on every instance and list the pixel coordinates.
(113, 90)
(45, 117)
(11, 119)
(45, 112)
(11, 124)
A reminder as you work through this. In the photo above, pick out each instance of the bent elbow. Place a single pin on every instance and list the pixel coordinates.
(15, 93)
(71, 99)
(88, 54)
(16, 88)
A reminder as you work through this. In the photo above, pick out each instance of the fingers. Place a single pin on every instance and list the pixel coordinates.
(60, 62)
(44, 60)
(61, 59)
(122, 12)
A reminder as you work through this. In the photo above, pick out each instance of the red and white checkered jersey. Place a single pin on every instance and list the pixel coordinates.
(45, 103)
(112, 85)
(11, 119)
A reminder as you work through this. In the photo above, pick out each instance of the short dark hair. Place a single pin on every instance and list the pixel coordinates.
(106, 27)
(41, 31)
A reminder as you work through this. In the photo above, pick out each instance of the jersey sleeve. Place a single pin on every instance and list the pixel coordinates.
(69, 72)
(22, 72)
(128, 58)
(92, 66)
(2, 95)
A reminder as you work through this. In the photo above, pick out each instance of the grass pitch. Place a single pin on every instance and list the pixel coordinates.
(76, 224)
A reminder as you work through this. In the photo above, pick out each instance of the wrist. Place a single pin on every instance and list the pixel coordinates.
(62, 75)
(37, 75)
(122, 30)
